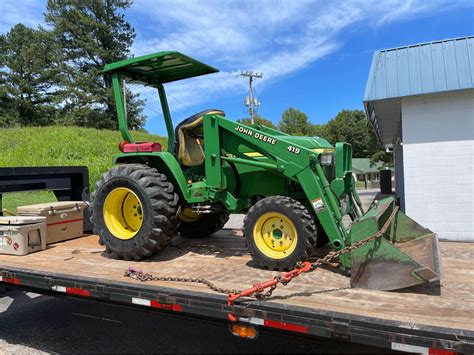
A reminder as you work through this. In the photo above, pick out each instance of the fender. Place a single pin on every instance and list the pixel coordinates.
(164, 162)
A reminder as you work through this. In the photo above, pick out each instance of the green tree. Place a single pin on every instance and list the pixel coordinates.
(8, 114)
(351, 126)
(382, 156)
(318, 130)
(296, 123)
(28, 77)
(92, 33)
(258, 120)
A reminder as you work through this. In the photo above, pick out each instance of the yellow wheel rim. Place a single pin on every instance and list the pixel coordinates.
(188, 215)
(123, 213)
(275, 235)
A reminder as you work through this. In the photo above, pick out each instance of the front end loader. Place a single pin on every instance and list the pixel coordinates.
(293, 190)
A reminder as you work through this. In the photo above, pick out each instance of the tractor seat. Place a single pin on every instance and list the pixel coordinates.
(190, 138)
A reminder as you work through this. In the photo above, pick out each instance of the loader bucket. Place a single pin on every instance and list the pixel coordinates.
(406, 255)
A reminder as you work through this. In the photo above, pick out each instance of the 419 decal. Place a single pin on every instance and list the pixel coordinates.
(294, 150)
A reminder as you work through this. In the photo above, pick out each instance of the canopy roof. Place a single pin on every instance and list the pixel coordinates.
(159, 68)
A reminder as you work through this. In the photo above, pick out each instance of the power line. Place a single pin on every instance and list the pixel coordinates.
(181, 116)
(185, 106)
(159, 112)
(6, 23)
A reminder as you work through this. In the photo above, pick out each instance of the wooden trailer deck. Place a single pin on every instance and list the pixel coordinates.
(223, 260)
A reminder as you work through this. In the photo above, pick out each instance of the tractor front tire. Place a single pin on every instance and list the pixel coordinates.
(201, 225)
(279, 232)
(134, 211)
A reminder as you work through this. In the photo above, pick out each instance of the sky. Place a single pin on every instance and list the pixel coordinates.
(314, 55)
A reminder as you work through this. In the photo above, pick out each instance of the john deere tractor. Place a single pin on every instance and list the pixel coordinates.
(293, 191)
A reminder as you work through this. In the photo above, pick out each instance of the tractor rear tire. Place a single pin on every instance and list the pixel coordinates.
(205, 224)
(279, 232)
(134, 211)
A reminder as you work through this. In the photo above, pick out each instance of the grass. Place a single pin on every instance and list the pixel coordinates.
(60, 146)
(12, 200)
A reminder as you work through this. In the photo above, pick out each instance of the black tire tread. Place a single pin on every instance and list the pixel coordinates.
(307, 222)
(165, 203)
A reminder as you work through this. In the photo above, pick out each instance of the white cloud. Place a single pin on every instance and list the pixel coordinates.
(276, 37)
(27, 12)
(409, 9)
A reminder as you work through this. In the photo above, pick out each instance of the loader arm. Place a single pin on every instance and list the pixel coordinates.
(294, 161)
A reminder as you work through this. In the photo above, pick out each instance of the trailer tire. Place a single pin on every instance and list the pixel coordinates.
(134, 211)
(206, 224)
(279, 232)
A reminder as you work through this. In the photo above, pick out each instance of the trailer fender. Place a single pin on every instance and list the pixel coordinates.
(165, 162)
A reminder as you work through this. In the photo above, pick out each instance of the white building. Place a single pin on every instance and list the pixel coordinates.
(420, 101)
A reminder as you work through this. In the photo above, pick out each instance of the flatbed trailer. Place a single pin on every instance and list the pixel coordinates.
(434, 320)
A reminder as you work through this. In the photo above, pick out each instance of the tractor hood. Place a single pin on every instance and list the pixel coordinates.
(317, 144)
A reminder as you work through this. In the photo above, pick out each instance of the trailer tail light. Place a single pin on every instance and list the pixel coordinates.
(139, 147)
(243, 330)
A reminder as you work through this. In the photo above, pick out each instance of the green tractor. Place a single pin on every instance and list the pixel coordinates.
(293, 190)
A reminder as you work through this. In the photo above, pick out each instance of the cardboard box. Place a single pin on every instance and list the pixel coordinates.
(64, 220)
(22, 235)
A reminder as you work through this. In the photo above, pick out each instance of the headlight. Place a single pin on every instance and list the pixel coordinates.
(326, 159)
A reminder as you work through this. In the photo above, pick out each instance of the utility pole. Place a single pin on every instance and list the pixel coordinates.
(251, 100)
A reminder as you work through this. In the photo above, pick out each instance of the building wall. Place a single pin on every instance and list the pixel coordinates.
(438, 162)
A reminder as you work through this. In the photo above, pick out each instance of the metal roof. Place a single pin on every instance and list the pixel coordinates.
(362, 165)
(426, 68)
(159, 68)
(421, 69)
